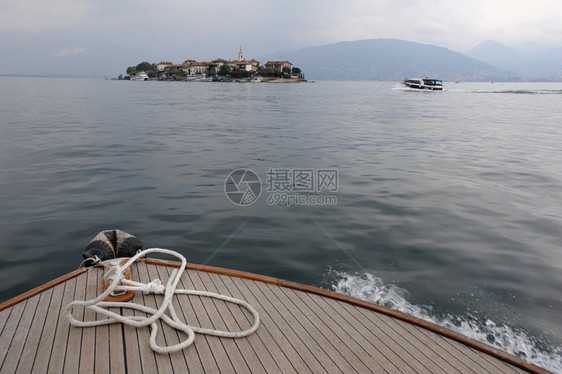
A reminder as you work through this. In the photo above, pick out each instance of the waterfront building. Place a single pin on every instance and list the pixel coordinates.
(278, 65)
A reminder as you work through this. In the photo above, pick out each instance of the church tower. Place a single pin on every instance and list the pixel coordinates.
(240, 55)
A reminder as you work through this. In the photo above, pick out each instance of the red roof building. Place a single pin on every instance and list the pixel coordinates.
(251, 65)
(278, 65)
(162, 64)
(219, 61)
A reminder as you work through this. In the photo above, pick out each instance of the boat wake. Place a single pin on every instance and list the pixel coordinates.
(522, 92)
(401, 87)
(507, 91)
(370, 288)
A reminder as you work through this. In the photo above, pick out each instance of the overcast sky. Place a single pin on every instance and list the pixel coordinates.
(34, 34)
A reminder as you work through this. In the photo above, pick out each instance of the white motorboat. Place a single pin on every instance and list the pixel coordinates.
(424, 84)
(141, 76)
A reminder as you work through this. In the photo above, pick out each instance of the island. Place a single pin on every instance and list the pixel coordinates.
(219, 70)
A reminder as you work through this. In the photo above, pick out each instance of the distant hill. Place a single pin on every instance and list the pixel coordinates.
(528, 60)
(382, 59)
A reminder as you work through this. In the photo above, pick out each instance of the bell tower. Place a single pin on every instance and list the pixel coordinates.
(240, 55)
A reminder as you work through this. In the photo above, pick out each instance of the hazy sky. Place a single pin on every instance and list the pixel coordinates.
(36, 35)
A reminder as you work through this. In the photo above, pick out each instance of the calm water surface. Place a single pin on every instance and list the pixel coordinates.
(449, 204)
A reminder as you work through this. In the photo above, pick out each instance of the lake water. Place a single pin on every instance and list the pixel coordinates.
(448, 205)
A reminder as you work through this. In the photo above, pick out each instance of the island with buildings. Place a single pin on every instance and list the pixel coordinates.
(218, 70)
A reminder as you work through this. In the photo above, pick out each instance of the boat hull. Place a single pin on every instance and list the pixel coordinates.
(422, 87)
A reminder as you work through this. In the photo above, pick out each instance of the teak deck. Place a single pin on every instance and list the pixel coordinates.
(303, 330)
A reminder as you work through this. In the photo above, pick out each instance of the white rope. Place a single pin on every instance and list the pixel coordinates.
(94, 260)
(119, 283)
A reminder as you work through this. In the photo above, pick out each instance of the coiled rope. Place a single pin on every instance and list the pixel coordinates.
(119, 283)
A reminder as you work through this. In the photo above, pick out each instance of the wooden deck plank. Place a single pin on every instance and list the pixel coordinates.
(508, 369)
(109, 340)
(132, 356)
(163, 361)
(459, 351)
(489, 364)
(327, 354)
(387, 338)
(262, 342)
(102, 356)
(199, 356)
(369, 341)
(173, 337)
(12, 320)
(35, 333)
(344, 342)
(360, 345)
(374, 333)
(451, 358)
(191, 356)
(418, 362)
(385, 324)
(47, 339)
(140, 357)
(74, 342)
(17, 344)
(203, 320)
(290, 342)
(256, 363)
(89, 348)
(306, 345)
(4, 314)
(114, 335)
(277, 344)
(56, 358)
(217, 310)
(117, 358)
(441, 358)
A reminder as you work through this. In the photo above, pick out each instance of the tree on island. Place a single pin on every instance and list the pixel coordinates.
(269, 72)
(237, 73)
(211, 70)
(177, 73)
(146, 67)
(225, 70)
(285, 73)
(298, 72)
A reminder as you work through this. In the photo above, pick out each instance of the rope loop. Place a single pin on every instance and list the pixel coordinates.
(118, 282)
(154, 286)
(94, 260)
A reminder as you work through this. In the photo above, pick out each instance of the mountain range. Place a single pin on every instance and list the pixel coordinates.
(530, 61)
(371, 59)
(394, 59)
